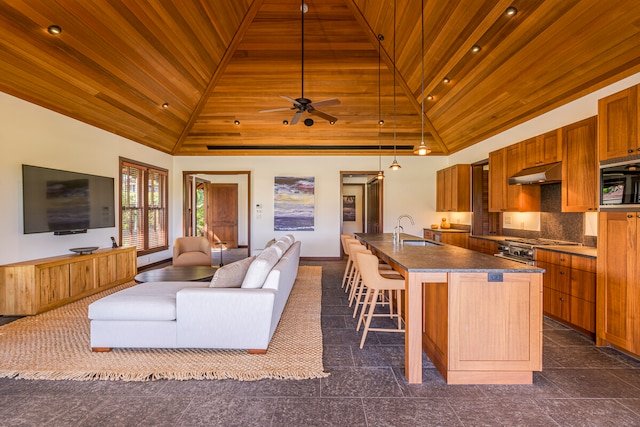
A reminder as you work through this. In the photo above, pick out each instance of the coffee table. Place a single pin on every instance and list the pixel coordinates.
(192, 273)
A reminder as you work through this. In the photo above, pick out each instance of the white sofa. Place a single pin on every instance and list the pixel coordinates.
(195, 315)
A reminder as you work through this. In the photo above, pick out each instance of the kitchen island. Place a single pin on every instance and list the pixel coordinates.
(477, 317)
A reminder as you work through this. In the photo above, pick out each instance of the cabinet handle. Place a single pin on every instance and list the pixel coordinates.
(562, 299)
(629, 151)
(629, 216)
(562, 272)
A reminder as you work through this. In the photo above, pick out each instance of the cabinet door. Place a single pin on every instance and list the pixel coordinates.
(428, 234)
(550, 147)
(127, 265)
(617, 290)
(530, 152)
(519, 198)
(461, 188)
(456, 239)
(441, 188)
(497, 181)
(54, 284)
(556, 304)
(81, 277)
(106, 270)
(448, 190)
(618, 124)
(579, 167)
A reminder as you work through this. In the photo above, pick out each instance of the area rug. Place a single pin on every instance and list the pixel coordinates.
(55, 346)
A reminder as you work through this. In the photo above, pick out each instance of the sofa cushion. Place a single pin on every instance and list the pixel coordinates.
(231, 275)
(280, 247)
(260, 268)
(146, 301)
(270, 242)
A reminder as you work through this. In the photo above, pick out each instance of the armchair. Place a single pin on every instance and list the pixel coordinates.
(191, 250)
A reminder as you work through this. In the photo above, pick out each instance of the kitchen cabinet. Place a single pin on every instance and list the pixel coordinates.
(580, 167)
(485, 246)
(543, 149)
(453, 189)
(503, 197)
(618, 125)
(31, 287)
(618, 298)
(455, 238)
(569, 289)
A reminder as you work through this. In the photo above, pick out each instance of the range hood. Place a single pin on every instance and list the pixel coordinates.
(538, 175)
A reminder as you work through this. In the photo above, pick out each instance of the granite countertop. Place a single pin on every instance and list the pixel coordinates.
(441, 257)
(585, 251)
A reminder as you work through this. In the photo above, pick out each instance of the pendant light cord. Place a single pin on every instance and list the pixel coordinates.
(302, 47)
(379, 105)
(395, 115)
(422, 62)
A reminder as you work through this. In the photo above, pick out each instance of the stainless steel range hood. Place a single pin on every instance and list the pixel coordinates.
(538, 175)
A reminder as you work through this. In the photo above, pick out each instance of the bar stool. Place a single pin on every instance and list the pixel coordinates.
(346, 240)
(375, 283)
(349, 275)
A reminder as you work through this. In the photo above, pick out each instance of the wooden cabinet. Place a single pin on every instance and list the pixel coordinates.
(489, 247)
(569, 289)
(31, 287)
(453, 189)
(543, 149)
(618, 298)
(618, 125)
(580, 167)
(503, 197)
(455, 238)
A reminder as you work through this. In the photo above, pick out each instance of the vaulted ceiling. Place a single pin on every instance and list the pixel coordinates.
(218, 64)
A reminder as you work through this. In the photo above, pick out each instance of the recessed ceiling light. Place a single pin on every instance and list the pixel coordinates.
(475, 48)
(165, 105)
(54, 29)
(446, 80)
(380, 122)
(236, 122)
(285, 122)
(429, 97)
(511, 11)
(332, 122)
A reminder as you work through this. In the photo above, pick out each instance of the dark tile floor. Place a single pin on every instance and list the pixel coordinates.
(581, 385)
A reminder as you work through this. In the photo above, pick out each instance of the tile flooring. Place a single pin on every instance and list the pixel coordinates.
(580, 385)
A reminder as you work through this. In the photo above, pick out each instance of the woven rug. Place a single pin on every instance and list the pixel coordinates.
(55, 346)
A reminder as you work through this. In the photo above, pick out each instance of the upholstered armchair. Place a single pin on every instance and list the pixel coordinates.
(191, 250)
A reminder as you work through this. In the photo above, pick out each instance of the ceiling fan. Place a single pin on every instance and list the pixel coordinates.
(302, 104)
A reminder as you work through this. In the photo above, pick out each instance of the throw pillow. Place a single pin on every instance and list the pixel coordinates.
(231, 275)
(260, 268)
(270, 242)
(281, 247)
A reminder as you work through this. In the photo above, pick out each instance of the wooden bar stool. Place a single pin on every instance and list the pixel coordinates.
(346, 240)
(376, 284)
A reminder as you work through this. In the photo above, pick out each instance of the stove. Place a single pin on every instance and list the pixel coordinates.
(521, 249)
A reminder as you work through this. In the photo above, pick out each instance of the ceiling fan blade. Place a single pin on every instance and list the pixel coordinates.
(296, 117)
(323, 115)
(291, 100)
(326, 103)
(277, 109)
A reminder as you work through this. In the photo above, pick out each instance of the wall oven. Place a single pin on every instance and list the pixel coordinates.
(620, 186)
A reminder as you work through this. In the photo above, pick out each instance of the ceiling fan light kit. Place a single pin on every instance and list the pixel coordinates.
(302, 104)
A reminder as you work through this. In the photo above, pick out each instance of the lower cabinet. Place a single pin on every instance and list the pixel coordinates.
(569, 291)
(449, 238)
(31, 287)
(489, 247)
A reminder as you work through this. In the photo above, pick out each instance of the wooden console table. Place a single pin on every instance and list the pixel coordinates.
(31, 287)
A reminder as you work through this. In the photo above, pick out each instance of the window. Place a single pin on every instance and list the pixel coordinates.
(143, 209)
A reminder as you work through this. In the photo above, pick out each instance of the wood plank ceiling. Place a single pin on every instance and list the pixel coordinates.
(217, 62)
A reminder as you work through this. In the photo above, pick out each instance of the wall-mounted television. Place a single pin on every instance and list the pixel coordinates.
(65, 202)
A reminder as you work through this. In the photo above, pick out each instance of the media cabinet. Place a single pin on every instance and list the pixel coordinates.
(31, 287)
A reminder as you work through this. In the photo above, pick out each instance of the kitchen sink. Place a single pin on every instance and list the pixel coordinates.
(418, 243)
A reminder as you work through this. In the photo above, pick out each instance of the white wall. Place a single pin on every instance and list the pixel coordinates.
(33, 135)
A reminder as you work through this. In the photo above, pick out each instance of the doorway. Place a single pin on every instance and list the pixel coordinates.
(361, 202)
(217, 205)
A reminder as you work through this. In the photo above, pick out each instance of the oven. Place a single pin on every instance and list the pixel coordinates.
(521, 253)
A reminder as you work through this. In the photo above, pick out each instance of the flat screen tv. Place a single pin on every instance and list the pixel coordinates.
(65, 202)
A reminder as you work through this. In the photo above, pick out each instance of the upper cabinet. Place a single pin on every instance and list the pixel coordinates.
(618, 125)
(579, 167)
(503, 197)
(543, 149)
(453, 189)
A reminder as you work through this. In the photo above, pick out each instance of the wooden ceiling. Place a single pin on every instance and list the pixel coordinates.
(216, 62)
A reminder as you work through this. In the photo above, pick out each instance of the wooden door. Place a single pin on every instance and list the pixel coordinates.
(441, 188)
(496, 181)
(374, 206)
(617, 281)
(618, 124)
(579, 167)
(222, 224)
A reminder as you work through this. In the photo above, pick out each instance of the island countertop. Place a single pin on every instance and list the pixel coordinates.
(440, 257)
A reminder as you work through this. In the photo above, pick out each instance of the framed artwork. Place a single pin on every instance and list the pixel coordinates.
(294, 203)
(348, 208)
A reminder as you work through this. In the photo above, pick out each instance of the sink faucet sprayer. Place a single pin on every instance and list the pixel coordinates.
(397, 228)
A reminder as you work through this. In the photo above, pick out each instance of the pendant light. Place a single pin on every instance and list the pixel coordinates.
(380, 174)
(422, 150)
(394, 165)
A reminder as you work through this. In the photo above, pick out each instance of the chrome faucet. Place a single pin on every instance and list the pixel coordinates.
(397, 228)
